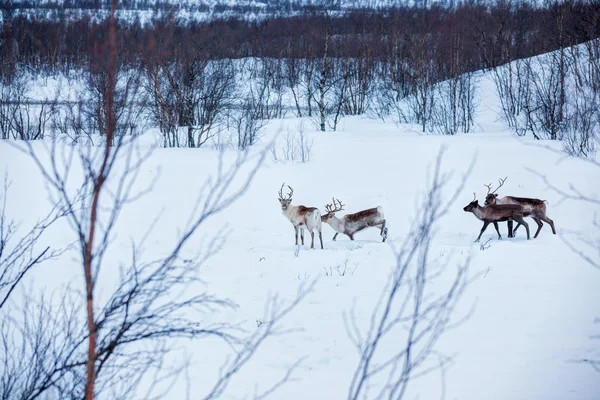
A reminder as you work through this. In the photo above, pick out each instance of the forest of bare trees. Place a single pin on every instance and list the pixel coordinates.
(415, 65)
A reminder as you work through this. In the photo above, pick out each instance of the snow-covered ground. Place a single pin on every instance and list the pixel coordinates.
(530, 312)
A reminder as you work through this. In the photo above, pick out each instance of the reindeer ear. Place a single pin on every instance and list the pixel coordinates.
(495, 194)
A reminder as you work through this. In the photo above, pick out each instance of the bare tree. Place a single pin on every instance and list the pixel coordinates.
(163, 105)
(265, 87)
(582, 130)
(192, 92)
(422, 74)
(393, 82)
(20, 251)
(323, 88)
(510, 81)
(454, 109)
(408, 316)
(342, 94)
(43, 355)
(546, 113)
(129, 330)
(22, 117)
(587, 248)
(292, 74)
(248, 124)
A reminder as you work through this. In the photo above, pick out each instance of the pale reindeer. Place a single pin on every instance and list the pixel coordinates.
(301, 217)
(534, 208)
(495, 213)
(349, 224)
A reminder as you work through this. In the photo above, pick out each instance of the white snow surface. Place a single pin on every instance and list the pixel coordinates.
(530, 312)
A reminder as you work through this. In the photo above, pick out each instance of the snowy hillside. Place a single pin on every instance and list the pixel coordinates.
(526, 319)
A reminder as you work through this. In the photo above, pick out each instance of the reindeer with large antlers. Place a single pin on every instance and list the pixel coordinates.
(349, 224)
(534, 208)
(301, 217)
(495, 213)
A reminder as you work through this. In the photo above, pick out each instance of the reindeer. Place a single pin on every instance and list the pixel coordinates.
(349, 224)
(301, 217)
(495, 213)
(534, 208)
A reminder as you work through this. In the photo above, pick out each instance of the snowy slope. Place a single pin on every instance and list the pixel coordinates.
(530, 311)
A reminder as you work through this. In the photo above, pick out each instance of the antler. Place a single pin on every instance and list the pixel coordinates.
(335, 207)
(501, 181)
(289, 195)
(474, 196)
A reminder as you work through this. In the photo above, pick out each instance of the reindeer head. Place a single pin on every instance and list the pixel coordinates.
(332, 209)
(285, 201)
(472, 205)
(490, 197)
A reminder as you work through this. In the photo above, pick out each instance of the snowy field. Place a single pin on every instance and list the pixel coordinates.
(525, 319)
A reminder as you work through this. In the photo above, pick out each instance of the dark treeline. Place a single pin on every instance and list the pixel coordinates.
(485, 35)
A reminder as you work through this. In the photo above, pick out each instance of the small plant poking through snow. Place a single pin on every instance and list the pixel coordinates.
(297, 146)
(485, 246)
(305, 277)
(342, 270)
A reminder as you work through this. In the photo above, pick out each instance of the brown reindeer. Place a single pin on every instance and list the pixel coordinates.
(495, 213)
(301, 217)
(349, 224)
(534, 208)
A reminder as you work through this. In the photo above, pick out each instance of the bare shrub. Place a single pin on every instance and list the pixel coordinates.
(409, 314)
(297, 146)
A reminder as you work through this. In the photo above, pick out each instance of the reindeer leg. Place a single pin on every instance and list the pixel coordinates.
(539, 224)
(312, 241)
(383, 231)
(302, 235)
(296, 230)
(498, 230)
(548, 220)
(514, 232)
(334, 236)
(321, 239)
(485, 225)
(509, 224)
(525, 224)
(350, 235)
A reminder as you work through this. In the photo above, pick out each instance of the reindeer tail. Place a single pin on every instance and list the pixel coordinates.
(318, 220)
